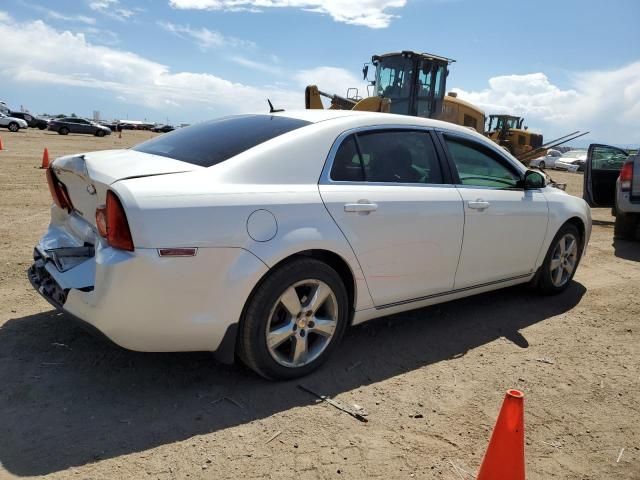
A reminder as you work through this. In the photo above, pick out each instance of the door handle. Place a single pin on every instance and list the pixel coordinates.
(478, 204)
(363, 206)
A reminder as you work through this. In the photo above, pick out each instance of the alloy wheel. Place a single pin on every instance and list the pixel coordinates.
(563, 260)
(302, 323)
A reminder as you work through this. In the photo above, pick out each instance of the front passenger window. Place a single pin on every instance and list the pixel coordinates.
(479, 167)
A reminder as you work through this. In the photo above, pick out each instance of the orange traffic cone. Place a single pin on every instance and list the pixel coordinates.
(504, 459)
(45, 158)
(1, 145)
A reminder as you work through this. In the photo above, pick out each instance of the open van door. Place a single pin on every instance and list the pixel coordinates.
(600, 174)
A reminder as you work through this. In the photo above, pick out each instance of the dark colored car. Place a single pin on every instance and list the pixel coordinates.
(65, 126)
(163, 129)
(33, 122)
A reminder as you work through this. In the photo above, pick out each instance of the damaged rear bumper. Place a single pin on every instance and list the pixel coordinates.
(145, 302)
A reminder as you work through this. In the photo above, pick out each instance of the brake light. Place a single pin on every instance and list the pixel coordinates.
(58, 191)
(113, 225)
(626, 175)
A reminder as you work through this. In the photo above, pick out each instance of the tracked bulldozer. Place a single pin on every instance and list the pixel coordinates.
(405, 83)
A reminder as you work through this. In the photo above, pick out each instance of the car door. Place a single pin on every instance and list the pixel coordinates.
(388, 192)
(505, 225)
(602, 169)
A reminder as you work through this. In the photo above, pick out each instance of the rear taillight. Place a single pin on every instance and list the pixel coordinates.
(626, 175)
(58, 191)
(113, 225)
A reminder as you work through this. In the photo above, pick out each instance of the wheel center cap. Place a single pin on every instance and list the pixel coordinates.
(302, 323)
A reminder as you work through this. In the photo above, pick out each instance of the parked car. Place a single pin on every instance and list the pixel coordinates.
(31, 120)
(12, 123)
(546, 161)
(65, 126)
(612, 179)
(572, 161)
(266, 236)
(163, 128)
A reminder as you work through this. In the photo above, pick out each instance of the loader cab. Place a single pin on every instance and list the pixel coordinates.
(503, 123)
(414, 82)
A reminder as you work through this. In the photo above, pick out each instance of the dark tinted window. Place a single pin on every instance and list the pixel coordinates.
(346, 164)
(479, 166)
(399, 157)
(212, 142)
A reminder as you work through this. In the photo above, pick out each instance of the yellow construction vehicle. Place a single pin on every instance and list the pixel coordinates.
(406, 83)
(508, 132)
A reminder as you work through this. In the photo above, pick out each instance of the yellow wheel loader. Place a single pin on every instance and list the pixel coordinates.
(508, 132)
(406, 83)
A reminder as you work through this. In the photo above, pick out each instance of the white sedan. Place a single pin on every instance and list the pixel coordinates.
(265, 236)
(12, 123)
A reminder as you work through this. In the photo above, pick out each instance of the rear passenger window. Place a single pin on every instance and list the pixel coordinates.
(395, 156)
(479, 166)
(347, 166)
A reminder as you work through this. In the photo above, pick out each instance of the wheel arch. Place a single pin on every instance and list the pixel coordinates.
(582, 229)
(228, 347)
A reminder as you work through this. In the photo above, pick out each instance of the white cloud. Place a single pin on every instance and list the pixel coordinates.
(265, 67)
(369, 13)
(607, 103)
(111, 8)
(204, 37)
(4, 17)
(56, 15)
(127, 75)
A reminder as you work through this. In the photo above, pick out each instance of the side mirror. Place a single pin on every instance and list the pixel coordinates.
(365, 72)
(533, 180)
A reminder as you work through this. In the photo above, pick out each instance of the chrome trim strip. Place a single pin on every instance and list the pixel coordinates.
(451, 292)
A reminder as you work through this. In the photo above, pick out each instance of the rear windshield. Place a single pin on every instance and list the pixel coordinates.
(215, 141)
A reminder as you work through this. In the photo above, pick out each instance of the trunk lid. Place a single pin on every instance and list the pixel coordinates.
(88, 176)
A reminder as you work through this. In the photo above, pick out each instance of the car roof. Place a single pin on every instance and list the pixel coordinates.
(374, 118)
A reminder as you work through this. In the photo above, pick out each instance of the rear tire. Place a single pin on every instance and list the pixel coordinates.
(13, 127)
(561, 262)
(542, 165)
(294, 320)
(63, 131)
(626, 226)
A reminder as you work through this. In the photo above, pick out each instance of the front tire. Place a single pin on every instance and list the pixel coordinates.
(13, 127)
(99, 133)
(41, 126)
(561, 261)
(294, 320)
(63, 131)
(542, 165)
(626, 226)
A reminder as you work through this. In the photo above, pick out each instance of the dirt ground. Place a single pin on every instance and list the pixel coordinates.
(432, 380)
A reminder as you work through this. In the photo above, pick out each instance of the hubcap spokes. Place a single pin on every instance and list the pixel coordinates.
(563, 260)
(302, 323)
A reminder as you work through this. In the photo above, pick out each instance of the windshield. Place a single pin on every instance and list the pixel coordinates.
(215, 141)
(394, 76)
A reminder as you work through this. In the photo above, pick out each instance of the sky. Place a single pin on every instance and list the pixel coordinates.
(564, 65)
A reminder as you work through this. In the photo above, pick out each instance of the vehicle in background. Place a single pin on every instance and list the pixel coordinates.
(572, 161)
(547, 161)
(65, 126)
(509, 132)
(163, 128)
(32, 121)
(113, 126)
(612, 179)
(12, 123)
